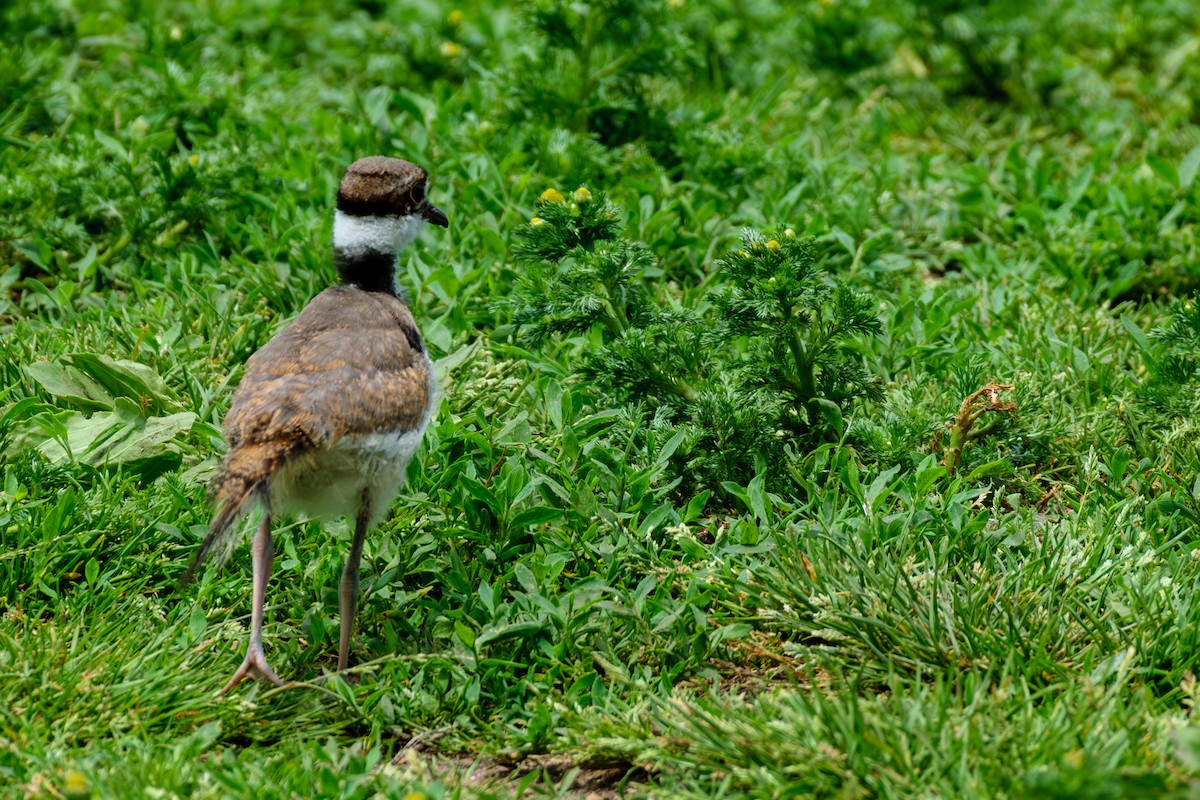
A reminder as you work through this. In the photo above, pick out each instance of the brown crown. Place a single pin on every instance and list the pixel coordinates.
(381, 186)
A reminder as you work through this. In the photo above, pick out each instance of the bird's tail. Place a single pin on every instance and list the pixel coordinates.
(242, 480)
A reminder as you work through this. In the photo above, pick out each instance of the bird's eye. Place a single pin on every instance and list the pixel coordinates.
(417, 195)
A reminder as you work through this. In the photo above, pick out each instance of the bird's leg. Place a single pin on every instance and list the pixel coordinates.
(348, 591)
(255, 664)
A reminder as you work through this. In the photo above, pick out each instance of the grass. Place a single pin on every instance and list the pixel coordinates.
(569, 598)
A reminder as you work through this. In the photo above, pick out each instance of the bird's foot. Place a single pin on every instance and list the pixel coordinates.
(254, 666)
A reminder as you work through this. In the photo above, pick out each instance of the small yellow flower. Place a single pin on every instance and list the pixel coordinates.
(75, 785)
(772, 245)
(450, 49)
(455, 18)
(789, 233)
(582, 195)
(742, 253)
(552, 196)
(176, 33)
(537, 221)
(194, 159)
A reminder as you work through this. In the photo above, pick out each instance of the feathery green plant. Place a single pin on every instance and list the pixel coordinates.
(589, 70)
(800, 325)
(770, 365)
(1173, 386)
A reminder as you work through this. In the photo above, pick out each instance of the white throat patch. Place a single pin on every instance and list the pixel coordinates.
(381, 234)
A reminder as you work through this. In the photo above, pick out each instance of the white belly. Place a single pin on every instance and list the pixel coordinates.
(330, 482)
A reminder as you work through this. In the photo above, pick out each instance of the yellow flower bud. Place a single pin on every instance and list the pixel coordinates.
(537, 221)
(455, 18)
(75, 785)
(451, 49)
(582, 195)
(552, 196)
(772, 245)
(742, 253)
(789, 233)
(194, 159)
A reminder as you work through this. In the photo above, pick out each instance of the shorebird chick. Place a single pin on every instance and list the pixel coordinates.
(331, 410)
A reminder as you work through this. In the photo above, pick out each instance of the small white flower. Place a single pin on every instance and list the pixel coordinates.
(680, 531)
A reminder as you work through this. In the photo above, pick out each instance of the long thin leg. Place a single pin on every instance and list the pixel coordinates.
(255, 664)
(348, 590)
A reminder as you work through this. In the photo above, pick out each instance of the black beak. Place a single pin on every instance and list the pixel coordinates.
(433, 214)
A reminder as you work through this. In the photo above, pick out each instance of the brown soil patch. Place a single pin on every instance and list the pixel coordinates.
(589, 779)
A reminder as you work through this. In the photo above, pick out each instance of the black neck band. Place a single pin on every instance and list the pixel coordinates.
(369, 270)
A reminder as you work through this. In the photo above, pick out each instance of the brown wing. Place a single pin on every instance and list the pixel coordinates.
(352, 362)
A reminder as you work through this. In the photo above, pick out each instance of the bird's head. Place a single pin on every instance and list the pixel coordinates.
(381, 206)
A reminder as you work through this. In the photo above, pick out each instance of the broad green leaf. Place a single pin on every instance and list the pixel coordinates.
(487, 596)
(760, 501)
(1139, 336)
(737, 630)
(482, 494)
(665, 621)
(105, 439)
(695, 506)
(668, 449)
(197, 622)
(444, 367)
(1164, 169)
(136, 443)
(1079, 185)
(129, 379)
(70, 385)
(656, 519)
(111, 145)
(880, 490)
(845, 240)
(409, 103)
(927, 476)
(1001, 466)
(516, 630)
(525, 577)
(531, 517)
(1188, 168)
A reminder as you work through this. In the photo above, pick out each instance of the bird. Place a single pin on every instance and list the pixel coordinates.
(330, 411)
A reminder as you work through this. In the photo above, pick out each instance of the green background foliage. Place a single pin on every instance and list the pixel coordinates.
(640, 549)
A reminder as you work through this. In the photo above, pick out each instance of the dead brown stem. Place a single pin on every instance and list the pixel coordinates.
(963, 428)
